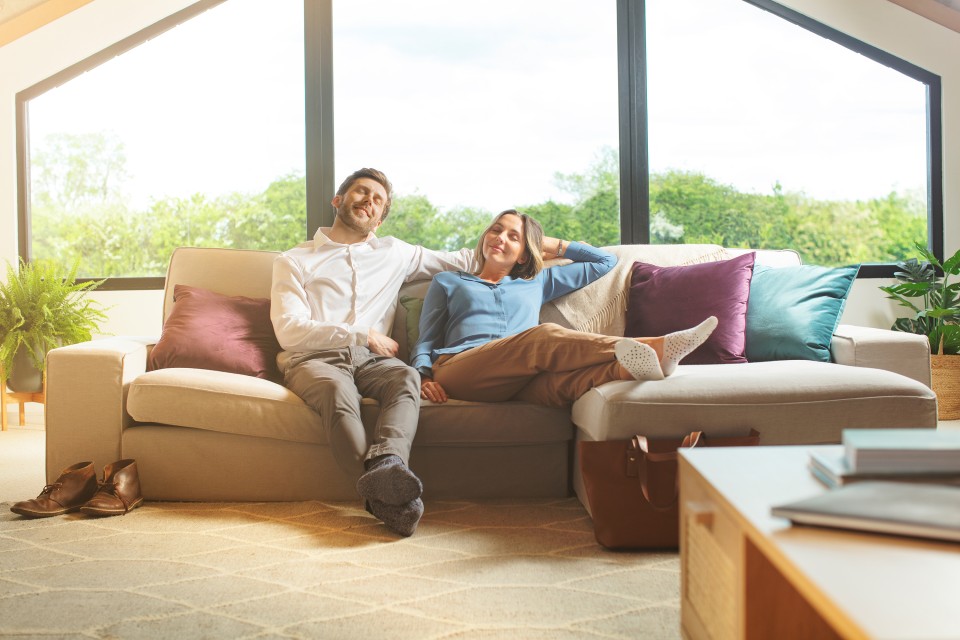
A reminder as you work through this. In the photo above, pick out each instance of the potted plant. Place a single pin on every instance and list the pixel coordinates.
(42, 306)
(936, 314)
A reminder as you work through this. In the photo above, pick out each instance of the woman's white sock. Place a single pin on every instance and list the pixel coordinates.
(678, 345)
(639, 359)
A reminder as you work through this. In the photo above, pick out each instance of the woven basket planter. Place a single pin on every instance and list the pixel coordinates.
(945, 372)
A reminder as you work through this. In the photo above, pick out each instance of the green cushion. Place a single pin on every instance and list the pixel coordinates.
(793, 311)
(412, 306)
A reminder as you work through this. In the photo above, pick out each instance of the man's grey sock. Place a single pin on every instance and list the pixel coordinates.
(399, 518)
(389, 480)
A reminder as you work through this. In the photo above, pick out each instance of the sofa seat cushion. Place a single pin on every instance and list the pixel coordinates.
(224, 402)
(788, 401)
(242, 405)
(463, 423)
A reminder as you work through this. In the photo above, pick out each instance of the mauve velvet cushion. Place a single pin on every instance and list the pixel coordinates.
(667, 299)
(208, 330)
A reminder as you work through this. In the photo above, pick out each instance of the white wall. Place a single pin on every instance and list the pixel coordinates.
(93, 26)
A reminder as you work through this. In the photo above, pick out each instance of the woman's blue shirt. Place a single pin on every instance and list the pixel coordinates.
(461, 311)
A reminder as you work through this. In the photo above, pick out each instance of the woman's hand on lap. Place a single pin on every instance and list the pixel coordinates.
(432, 391)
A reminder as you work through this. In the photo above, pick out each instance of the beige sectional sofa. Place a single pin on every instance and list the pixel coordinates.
(208, 435)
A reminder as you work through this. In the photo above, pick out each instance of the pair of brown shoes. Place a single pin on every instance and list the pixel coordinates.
(77, 489)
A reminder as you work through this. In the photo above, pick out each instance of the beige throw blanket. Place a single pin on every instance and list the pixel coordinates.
(601, 306)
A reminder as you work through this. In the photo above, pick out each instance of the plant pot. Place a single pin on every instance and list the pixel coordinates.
(945, 374)
(25, 377)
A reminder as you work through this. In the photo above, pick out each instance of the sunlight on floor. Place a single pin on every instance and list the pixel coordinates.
(33, 416)
(22, 460)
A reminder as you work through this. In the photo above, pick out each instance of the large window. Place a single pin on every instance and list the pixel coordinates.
(737, 122)
(175, 142)
(766, 135)
(494, 105)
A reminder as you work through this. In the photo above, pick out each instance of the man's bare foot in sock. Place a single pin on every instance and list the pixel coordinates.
(388, 479)
(399, 518)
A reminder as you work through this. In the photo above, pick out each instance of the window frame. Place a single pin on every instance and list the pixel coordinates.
(320, 172)
(634, 135)
(934, 122)
(23, 132)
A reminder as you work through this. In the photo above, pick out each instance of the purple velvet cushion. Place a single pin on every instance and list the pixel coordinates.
(208, 330)
(666, 299)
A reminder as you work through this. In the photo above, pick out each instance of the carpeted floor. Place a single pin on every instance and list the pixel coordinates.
(527, 569)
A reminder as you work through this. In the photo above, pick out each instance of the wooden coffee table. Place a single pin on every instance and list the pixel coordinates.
(746, 574)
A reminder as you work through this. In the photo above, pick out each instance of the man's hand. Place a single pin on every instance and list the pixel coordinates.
(382, 345)
(432, 391)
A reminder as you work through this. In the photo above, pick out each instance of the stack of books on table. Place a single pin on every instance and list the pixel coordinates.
(901, 455)
(894, 481)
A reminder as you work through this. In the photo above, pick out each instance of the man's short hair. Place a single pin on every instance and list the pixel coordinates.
(373, 174)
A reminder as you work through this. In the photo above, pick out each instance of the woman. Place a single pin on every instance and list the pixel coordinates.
(479, 333)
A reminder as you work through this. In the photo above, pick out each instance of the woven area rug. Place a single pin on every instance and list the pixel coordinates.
(527, 569)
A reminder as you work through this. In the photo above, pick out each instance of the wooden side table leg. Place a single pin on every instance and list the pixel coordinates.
(21, 398)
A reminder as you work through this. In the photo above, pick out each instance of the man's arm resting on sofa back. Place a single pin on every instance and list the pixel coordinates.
(904, 353)
(86, 400)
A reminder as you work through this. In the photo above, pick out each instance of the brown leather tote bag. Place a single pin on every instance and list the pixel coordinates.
(632, 487)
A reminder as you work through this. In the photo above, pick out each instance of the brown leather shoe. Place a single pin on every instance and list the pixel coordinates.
(118, 493)
(73, 488)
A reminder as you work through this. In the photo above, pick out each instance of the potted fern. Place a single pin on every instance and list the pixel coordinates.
(936, 314)
(42, 306)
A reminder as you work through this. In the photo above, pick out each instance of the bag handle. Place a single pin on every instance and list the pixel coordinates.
(640, 448)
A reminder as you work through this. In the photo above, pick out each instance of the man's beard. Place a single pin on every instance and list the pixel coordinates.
(353, 222)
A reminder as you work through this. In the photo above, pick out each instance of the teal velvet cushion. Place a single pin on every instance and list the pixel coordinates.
(793, 311)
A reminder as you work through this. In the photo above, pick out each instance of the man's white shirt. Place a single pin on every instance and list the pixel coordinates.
(327, 295)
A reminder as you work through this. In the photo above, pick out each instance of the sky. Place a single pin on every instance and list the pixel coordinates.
(480, 104)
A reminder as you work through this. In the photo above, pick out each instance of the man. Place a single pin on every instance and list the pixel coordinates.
(332, 303)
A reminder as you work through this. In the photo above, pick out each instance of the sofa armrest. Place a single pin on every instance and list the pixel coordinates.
(86, 404)
(904, 353)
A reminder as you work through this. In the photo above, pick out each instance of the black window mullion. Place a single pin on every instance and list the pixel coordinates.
(935, 175)
(634, 161)
(318, 68)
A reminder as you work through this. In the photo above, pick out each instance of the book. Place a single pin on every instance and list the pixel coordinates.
(833, 471)
(898, 508)
(902, 450)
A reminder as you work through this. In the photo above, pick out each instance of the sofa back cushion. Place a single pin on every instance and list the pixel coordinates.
(232, 272)
(601, 307)
(770, 257)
